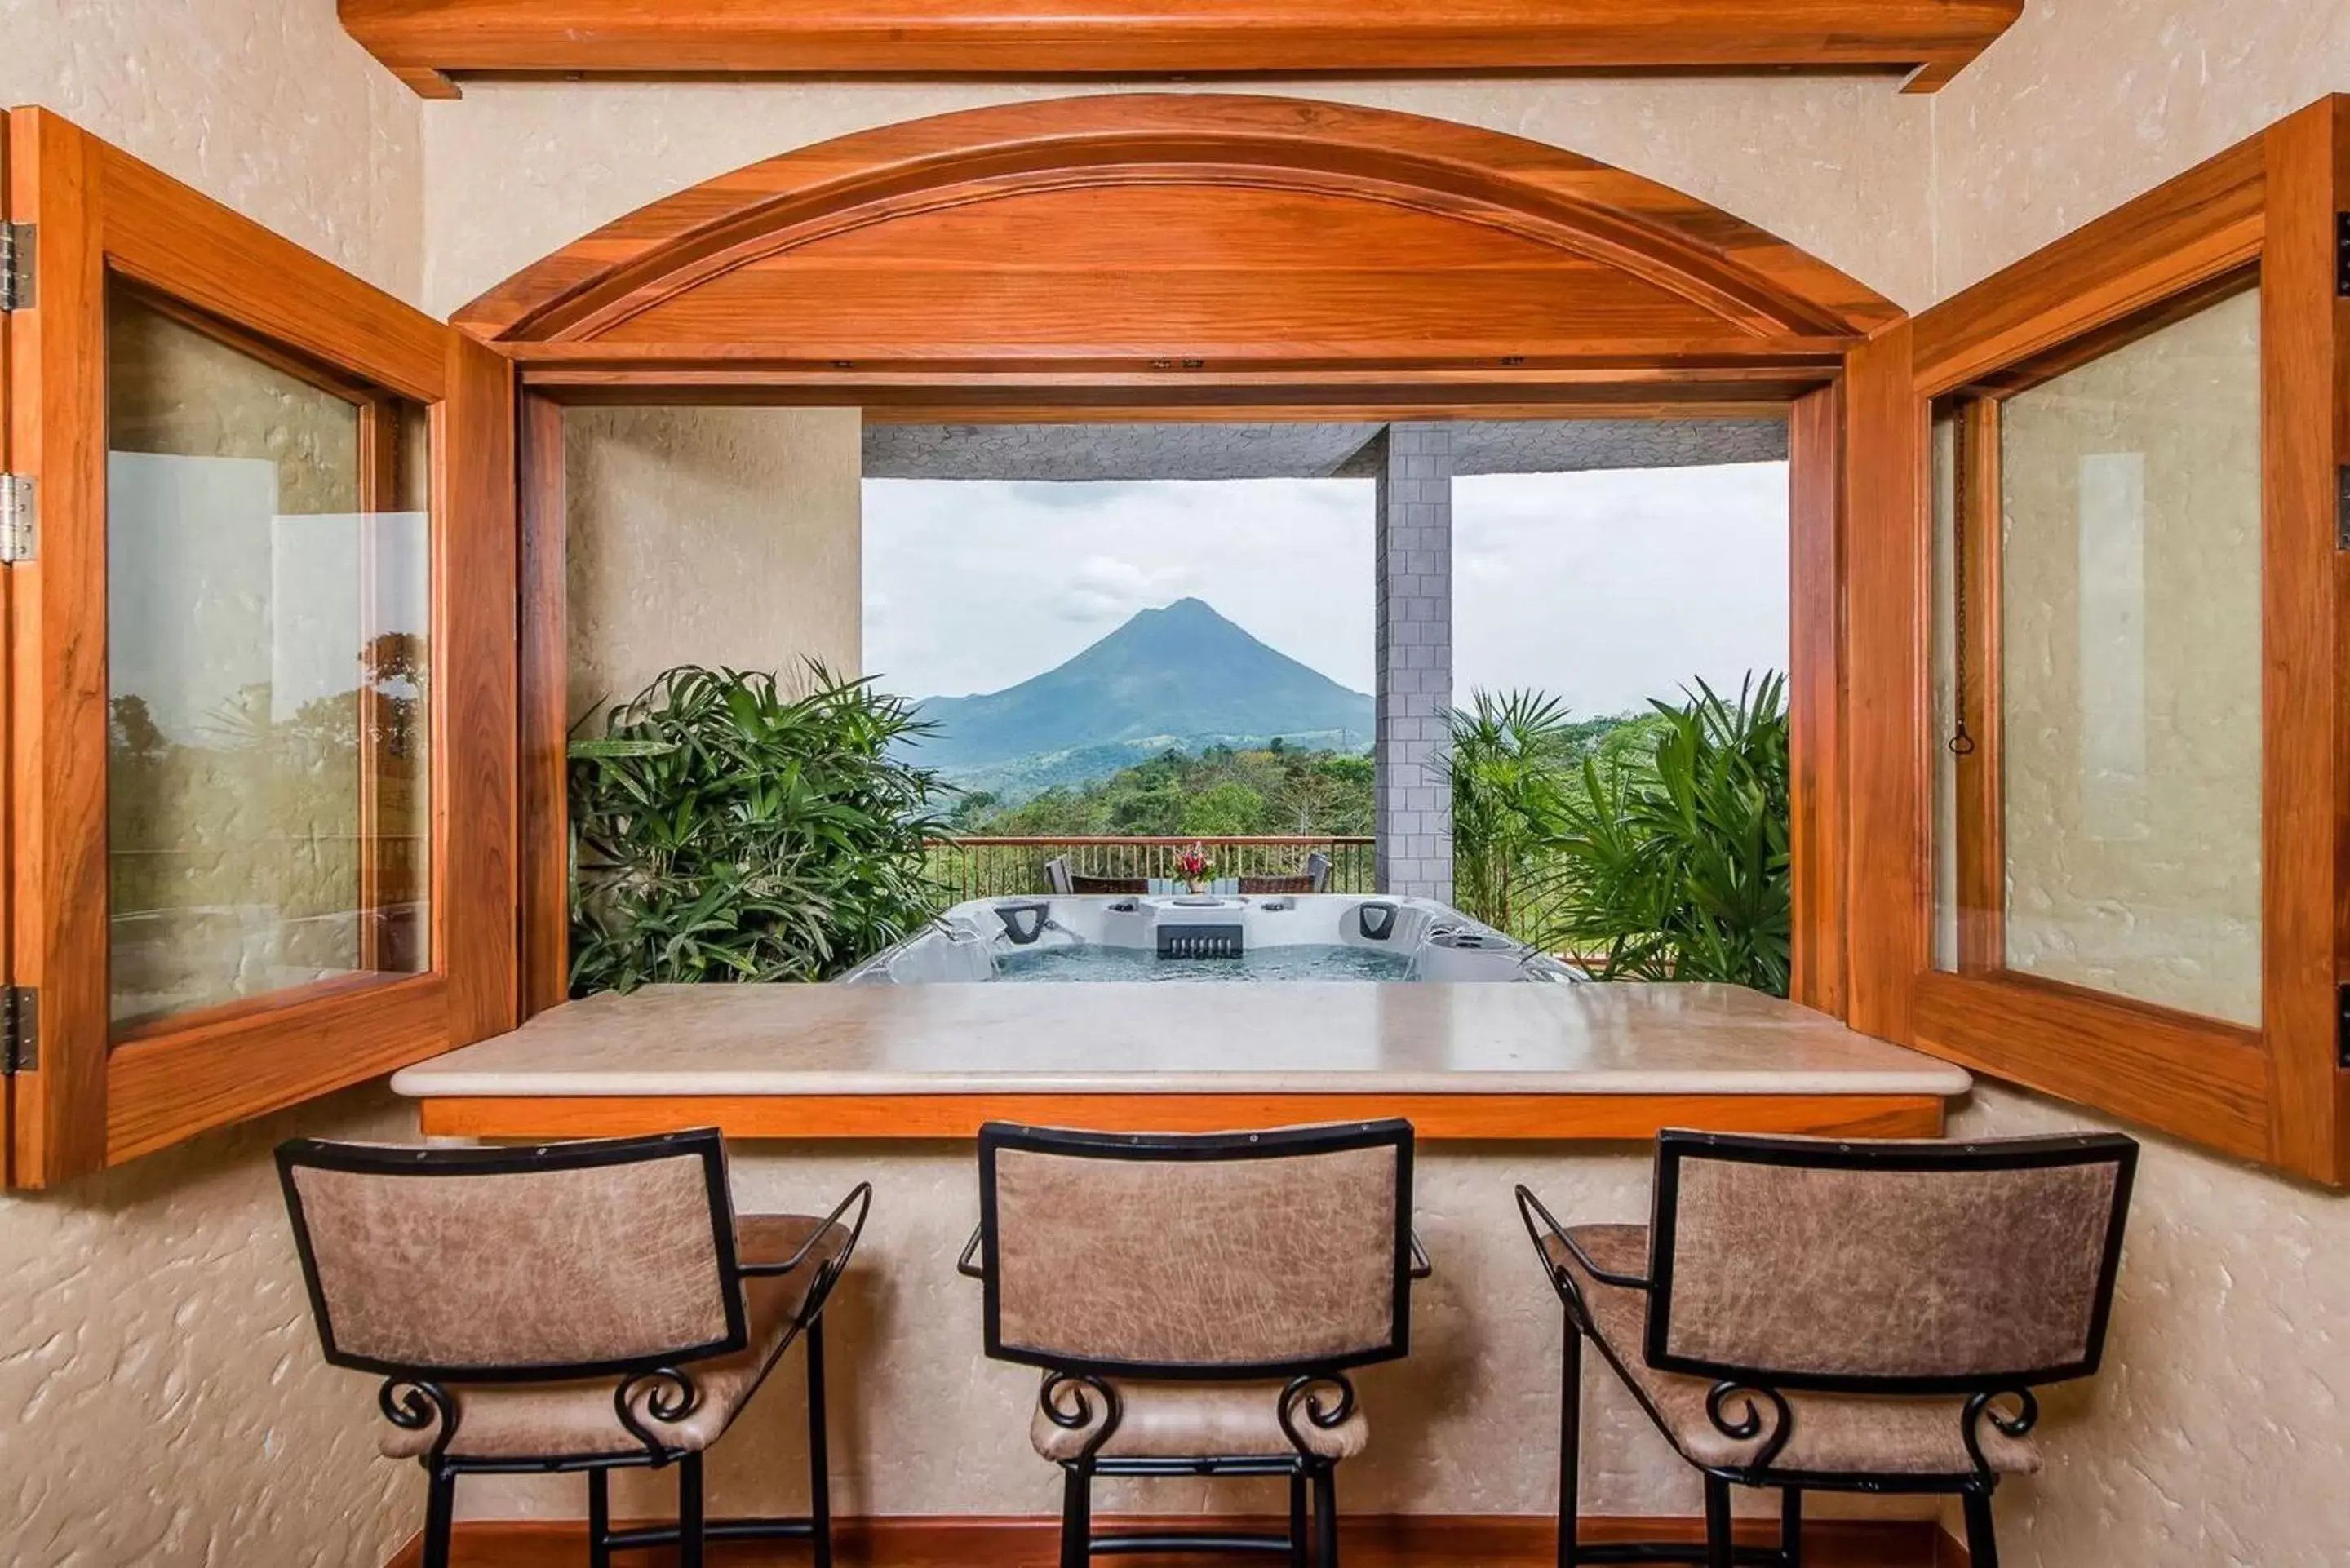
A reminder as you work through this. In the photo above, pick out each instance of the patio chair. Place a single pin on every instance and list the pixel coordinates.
(1078, 884)
(1056, 874)
(580, 1306)
(1809, 1315)
(1195, 1302)
(1314, 878)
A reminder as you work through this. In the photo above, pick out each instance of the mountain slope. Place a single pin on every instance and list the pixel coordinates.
(1181, 676)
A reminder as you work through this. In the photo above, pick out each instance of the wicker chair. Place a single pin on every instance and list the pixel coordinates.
(1842, 1317)
(573, 1306)
(1195, 1303)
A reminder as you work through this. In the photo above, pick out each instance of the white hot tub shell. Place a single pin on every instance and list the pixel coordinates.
(1201, 937)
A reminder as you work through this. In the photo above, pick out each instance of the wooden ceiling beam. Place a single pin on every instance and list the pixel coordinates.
(431, 44)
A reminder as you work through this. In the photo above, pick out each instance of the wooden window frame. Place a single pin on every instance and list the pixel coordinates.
(2275, 1093)
(93, 1099)
(1819, 475)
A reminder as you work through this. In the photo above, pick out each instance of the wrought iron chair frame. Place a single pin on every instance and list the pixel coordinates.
(1758, 1390)
(1318, 1392)
(415, 1395)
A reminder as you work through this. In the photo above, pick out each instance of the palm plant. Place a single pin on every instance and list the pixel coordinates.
(1675, 865)
(1510, 757)
(725, 830)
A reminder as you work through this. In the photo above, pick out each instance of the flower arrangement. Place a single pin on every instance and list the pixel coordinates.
(1194, 866)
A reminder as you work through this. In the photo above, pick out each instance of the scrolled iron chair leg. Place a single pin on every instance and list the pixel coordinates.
(600, 1518)
(689, 1511)
(1719, 1550)
(1325, 1515)
(819, 1453)
(1300, 1548)
(1077, 1514)
(1570, 1446)
(440, 1511)
(1982, 1538)
(1790, 1526)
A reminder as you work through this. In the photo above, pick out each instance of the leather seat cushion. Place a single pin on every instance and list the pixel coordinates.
(1196, 1420)
(1836, 1434)
(577, 1418)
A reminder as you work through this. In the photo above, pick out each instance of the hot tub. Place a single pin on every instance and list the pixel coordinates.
(1218, 936)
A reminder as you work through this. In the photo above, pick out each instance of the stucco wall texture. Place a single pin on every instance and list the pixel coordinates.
(269, 107)
(708, 535)
(161, 1398)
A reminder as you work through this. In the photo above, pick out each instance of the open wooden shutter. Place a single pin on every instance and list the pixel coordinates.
(2103, 640)
(260, 693)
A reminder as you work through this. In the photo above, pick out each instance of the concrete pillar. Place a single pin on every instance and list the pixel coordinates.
(1413, 815)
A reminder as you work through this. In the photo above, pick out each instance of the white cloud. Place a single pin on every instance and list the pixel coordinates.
(1610, 587)
(987, 583)
(1604, 587)
(1109, 589)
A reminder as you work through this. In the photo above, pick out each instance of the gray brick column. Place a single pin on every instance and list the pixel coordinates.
(1413, 814)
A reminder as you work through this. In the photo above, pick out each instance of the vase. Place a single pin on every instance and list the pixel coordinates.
(1197, 888)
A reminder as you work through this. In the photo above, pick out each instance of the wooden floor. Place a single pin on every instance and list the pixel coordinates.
(1372, 1541)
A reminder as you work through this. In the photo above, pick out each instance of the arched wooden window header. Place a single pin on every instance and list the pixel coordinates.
(1144, 244)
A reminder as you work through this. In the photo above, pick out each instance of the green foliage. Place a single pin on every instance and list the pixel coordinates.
(1674, 863)
(1219, 791)
(723, 830)
(1513, 765)
(1508, 770)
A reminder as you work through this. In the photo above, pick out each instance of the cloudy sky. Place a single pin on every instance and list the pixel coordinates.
(1603, 588)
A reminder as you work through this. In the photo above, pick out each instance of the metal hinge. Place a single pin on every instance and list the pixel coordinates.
(2342, 508)
(16, 266)
(2342, 254)
(18, 519)
(20, 1031)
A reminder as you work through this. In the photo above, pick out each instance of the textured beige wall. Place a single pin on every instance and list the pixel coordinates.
(2084, 104)
(163, 1399)
(518, 170)
(162, 1402)
(714, 536)
(269, 107)
(2218, 1432)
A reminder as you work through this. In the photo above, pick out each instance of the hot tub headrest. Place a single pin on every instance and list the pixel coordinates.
(1023, 922)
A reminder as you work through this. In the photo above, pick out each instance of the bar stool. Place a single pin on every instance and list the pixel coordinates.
(1804, 1315)
(571, 1306)
(1195, 1303)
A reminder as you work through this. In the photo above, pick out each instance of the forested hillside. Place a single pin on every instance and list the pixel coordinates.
(1213, 791)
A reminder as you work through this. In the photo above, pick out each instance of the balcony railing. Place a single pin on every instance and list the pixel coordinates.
(992, 867)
